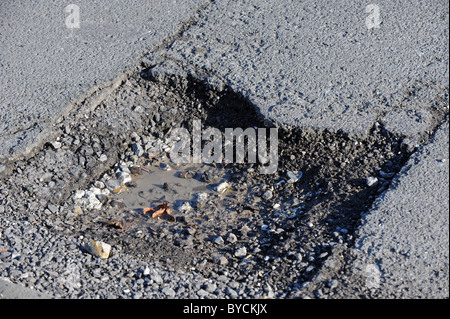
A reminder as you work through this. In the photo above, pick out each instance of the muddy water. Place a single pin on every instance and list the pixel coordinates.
(159, 185)
(184, 187)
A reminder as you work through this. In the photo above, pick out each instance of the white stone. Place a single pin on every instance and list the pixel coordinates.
(371, 181)
(79, 194)
(241, 252)
(99, 249)
(184, 207)
(124, 177)
(223, 187)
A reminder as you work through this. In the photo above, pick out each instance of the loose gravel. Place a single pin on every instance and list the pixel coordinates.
(268, 238)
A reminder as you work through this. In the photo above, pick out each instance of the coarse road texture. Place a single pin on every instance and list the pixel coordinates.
(406, 234)
(313, 64)
(46, 67)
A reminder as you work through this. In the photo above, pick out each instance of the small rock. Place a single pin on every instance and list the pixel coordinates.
(218, 241)
(79, 194)
(184, 207)
(187, 175)
(123, 177)
(201, 199)
(221, 260)
(56, 145)
(210, 287)
(169, 292)
(267, 195)
(269, 291)
(232, 238)
(371, 181)
(332, 284)
(231, 292)
(223, 187)
(114, 186)
(99, 184)
(135, 170)
(77, 210)
(99, 249)
(137, 149)
(208, 177)
(117, 203)
(156, 278)
(293, 176)
(165, 167)
(202, 293)
(241, 252)
(146, 271)
(103, 158)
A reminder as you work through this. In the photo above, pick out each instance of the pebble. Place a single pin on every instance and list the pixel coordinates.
(184, 207)
(202, 293)
(165, 167)
(371, 181)
(137, 149)
(123, 177)
(241, 252)
(293, 176)
(231, 238)
(78, 194)
(99, 249)
(231, 292)
(220, 260)
(169, 292)
(135, 170)
(267, 195)
(114, 186)
(218, 241)
(223, 187)
(56, 145)
(269, 291)
(201, 199)
(210, 287)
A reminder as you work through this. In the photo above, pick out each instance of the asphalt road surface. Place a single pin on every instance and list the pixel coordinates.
(315, 64)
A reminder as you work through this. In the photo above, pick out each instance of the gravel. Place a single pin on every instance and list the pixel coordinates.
(268, 244)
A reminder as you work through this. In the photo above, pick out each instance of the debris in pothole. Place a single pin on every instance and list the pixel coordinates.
(224, 187)
(316, 189)
(160, 209)
(293, 176)
(99, 249)
(119, 224)
(371, 181)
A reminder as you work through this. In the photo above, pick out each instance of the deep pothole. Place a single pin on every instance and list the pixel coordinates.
(229, 218)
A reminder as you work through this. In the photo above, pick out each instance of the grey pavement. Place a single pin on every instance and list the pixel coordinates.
(406, 234)
(316, 64)
(8, 290)
(47, 67)
(313, 64)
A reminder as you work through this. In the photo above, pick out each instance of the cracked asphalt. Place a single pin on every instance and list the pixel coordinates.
(314, 65)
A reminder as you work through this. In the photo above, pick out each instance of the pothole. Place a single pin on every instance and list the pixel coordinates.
(106, 175)
(281, 225)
